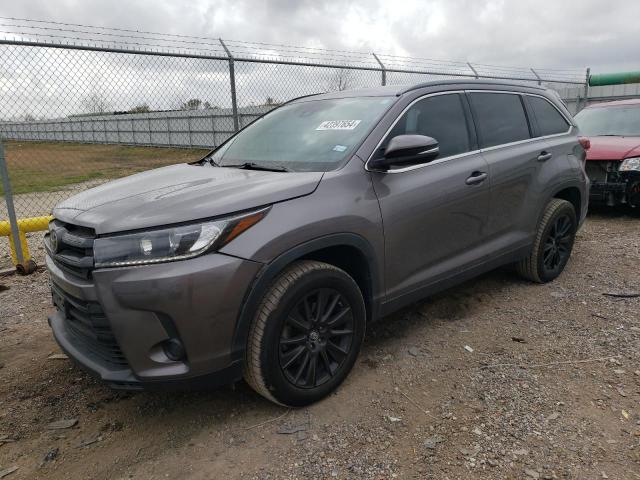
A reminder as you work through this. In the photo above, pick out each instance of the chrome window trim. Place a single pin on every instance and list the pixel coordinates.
(471, 152)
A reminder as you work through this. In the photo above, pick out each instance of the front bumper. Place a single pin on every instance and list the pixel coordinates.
(116, 323)
(616, 193)
(608, 193)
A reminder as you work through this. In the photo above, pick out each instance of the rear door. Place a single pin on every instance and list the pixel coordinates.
(552, 126)
(434, 214)
(515, 157)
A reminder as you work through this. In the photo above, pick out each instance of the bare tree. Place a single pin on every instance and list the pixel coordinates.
(142, 108)
(95, 103)
(192, 104)
(341, 79)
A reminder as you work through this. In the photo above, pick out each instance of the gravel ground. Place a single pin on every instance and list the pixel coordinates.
(496, 379)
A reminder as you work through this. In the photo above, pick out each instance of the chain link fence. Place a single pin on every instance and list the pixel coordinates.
(83, 105)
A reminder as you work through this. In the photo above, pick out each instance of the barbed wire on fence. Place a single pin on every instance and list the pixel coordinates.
(22, 29)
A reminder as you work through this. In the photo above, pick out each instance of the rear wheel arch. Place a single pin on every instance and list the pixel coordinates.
(568, 191)
(347, 251)
(571, 195)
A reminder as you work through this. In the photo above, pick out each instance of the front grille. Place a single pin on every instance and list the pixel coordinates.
(88, 325)
(602, 170)
(70, 247)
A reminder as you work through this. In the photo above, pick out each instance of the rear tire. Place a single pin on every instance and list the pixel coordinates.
(306, 334)
(553, 243)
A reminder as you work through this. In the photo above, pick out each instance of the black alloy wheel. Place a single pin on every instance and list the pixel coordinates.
(553, 242)
(316, 338)
(557, 246)
(306, 334)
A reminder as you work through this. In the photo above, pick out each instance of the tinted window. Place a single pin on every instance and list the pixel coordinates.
(441, 117)
(500, 118)
(548, 118)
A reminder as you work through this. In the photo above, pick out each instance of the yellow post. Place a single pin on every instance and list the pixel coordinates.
(34, 224)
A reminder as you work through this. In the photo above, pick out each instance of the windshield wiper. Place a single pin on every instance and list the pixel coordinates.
(257, 166)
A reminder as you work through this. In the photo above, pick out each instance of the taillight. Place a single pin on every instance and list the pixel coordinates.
(585, 142)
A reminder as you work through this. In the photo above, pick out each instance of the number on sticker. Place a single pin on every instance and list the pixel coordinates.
(338, 125)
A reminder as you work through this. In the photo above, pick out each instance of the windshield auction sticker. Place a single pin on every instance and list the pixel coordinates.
(338, 125)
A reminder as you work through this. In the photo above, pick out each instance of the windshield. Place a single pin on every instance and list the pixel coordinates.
(314, 135)
(623, 121)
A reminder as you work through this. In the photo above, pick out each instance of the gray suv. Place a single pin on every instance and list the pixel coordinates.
(267, 259)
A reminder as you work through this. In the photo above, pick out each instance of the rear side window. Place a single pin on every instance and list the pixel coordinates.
(548, 118)
(500, 118)
(441, 117)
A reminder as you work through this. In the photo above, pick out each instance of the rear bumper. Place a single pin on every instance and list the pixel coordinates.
(116, 325)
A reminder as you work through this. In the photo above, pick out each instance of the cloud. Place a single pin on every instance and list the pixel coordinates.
(489, 33)
(542, 33)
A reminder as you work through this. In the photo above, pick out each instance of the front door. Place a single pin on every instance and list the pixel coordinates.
(434, 214)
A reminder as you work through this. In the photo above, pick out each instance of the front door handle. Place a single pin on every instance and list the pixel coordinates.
(476, 178)
(544, 156)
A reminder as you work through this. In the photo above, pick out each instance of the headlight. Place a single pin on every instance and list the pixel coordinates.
(173, 243)
(630, 164)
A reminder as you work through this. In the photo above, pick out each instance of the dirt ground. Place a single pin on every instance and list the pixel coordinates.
(496, 379)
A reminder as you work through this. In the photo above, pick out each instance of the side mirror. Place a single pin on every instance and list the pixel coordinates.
(408, 149)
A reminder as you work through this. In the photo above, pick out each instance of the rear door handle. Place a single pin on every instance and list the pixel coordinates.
(476, 178)
(544, 156)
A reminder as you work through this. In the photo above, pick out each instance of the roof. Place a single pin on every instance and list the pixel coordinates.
(615, 103)
(397, 90)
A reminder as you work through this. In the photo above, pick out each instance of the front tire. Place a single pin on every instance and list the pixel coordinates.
(553, 243)
(306, 335)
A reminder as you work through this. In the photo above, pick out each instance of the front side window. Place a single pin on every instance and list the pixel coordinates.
(500, 118)
(618, 120)
(313, 135)
(548, 118)
(441, 117)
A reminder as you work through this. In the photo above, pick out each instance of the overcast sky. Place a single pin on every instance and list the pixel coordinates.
(544, 33)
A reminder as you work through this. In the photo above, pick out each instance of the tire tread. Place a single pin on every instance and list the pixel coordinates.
(528, 266)
(252, 365)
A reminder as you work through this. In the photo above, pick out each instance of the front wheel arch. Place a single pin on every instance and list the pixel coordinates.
(307, 250)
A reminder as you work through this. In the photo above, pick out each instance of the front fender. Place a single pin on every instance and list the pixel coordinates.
(270, 271)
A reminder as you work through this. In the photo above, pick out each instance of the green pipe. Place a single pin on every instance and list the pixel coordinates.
(614, 79)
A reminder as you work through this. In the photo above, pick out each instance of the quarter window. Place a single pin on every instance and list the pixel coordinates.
(548, 118)
(500, 118)
(441, 117)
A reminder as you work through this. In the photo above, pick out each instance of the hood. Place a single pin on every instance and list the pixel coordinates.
(613, 148)
(180, 193)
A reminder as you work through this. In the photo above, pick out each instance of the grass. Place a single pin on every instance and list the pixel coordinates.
(51, 166)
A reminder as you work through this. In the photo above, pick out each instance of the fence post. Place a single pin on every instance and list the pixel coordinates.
(13, 221)
(586, 86)
(383, 69)
(537, 76)
(232, 80)
(473, 70)
(213, 130)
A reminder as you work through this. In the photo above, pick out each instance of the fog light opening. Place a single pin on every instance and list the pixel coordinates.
(174, 350)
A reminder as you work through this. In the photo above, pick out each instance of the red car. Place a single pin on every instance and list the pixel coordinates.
(613, 161)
